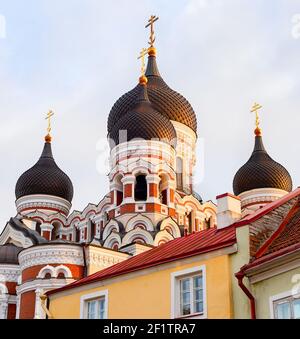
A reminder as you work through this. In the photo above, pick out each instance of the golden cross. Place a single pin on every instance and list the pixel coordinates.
(143, 52)
(151, 21)
(255, 108)
(48, 117)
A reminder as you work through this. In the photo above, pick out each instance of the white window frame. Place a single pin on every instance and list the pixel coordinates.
(175, 292)
(275, 298)
(89, 297)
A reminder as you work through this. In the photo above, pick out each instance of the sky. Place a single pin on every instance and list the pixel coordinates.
(78, 57)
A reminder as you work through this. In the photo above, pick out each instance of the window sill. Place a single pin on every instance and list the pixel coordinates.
(194, 315)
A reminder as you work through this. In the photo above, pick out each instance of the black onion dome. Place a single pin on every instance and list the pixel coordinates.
(142, 121)
(165, 100)
(9, 254)
(45, 177)
(261, 171)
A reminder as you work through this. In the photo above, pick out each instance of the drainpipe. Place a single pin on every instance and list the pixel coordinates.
(85, 269)
(240, 276)
(44, 301)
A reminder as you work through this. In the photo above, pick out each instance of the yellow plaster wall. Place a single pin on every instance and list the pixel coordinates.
(149, 295)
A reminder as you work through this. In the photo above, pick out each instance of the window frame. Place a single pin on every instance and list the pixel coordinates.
(176, 277)
(85, 299)
(281, 298)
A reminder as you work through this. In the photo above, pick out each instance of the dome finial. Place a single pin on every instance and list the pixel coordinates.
(48, 137)
(255, 108)
(152, 49)
(143, 79)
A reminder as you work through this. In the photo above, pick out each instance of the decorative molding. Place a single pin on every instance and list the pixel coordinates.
(44, 202)
(102, 257)
(9, 273)
(10, 235)
(51, 254)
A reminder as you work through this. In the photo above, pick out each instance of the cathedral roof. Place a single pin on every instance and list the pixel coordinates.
(261, 171)
(45, 177)
(164, 100)
(142, 121)
(194, 244)
(9, 254)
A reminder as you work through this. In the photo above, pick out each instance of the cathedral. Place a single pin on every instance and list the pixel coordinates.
(152, 133)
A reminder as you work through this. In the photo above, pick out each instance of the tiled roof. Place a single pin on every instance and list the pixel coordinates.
(187, 246)
(267, 208)
(289, 236)
(285, 239)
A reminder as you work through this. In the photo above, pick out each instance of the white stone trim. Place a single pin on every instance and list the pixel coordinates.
(139, 219)
(260, 196)
(51, 254)
(174, 290)
(91, 296)
(103, 257)
(41, 201)
(137, 233)
(10, 235)
(9, 273)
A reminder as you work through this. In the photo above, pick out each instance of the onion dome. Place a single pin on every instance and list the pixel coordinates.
(9, 254)
(261, 171)
(45, 177)
(164, 100)
(142, 121)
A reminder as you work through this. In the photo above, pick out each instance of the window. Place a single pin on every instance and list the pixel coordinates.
(96, 309)
(140, 191)
(191, 295)
(179, 173)
(94, 306)
(188, 293)
(288, 308)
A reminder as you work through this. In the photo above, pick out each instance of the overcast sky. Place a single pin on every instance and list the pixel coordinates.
(78, 56)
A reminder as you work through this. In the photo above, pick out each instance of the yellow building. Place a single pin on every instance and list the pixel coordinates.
(189, 277)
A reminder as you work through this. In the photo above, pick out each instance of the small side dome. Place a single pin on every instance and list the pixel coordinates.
(45, 177)
(9, 254)
(261, 171)
(143, 122)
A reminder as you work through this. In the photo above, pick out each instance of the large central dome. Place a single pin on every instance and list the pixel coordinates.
(164, 100)
(143, 122)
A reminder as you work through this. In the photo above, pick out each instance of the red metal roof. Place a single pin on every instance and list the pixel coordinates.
(187, 246)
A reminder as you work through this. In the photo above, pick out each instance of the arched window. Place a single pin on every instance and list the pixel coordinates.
(47, 276)
(163, 189)
(55, 231)
(119, 190)
(77, 235)
(115, 246)
(93, 230)
(179, 173)
(61, 275)
(140, 190)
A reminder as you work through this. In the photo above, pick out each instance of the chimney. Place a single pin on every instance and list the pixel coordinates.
(229, 209)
